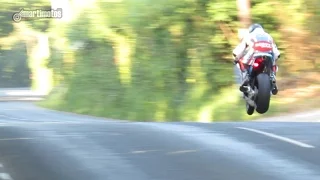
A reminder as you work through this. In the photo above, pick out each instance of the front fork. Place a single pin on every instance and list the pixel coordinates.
(250, 93)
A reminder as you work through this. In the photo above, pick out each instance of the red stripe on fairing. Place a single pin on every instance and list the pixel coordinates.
(262, 46)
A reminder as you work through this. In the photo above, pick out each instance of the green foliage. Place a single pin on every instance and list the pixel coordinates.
(172, 59)
(147, 60)
(7, 10)
(14, 71)
(313, 7)
(6, 13)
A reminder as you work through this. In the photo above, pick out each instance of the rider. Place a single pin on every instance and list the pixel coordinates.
(245, 51)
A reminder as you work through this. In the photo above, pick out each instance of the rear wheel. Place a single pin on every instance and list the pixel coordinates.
(263, 95)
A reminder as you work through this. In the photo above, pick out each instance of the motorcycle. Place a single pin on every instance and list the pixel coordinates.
(257, 93)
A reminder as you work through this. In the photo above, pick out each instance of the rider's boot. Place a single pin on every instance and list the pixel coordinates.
(274, 90)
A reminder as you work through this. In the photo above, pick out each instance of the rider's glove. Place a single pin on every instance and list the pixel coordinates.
(235, 60)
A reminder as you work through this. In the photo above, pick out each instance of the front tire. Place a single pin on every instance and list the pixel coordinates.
(263, 96)
(250, 109)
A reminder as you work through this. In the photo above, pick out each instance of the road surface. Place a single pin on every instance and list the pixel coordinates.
(39, 144)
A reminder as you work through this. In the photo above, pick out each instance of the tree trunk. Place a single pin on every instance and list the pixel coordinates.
(244, 16)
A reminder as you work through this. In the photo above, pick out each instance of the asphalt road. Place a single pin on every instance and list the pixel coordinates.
(39, 144)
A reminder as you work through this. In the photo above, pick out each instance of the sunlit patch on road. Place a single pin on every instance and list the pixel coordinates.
(3, 174)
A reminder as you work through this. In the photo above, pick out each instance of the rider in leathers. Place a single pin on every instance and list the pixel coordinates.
(245, 51)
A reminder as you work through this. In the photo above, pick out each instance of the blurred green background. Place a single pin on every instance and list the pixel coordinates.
(153, 60)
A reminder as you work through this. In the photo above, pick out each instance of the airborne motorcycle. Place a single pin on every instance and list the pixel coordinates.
(257, 94)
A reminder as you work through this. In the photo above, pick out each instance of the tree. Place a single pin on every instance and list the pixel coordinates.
(244, 15)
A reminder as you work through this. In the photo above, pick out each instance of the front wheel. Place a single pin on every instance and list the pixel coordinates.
(250, 109)
(263, 96)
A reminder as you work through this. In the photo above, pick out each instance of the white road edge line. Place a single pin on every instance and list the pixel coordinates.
(292, 141)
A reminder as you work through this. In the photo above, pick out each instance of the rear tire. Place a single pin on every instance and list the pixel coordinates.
(263, 97)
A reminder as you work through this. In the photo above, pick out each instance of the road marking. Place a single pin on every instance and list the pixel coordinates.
(292, 141)
(13, 118)
(143, 151)
(182, 152)
(5, 176)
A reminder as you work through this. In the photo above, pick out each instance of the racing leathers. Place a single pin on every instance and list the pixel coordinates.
(244, 52)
